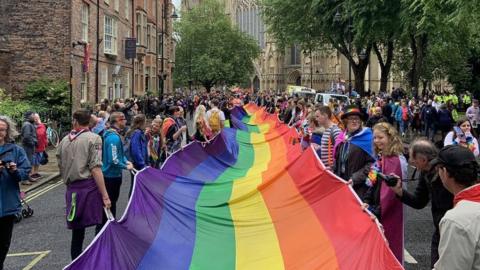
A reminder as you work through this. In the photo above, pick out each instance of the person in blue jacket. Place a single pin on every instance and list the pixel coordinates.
(113, 161)
(137, 150)
(14, 167)
(138, 142)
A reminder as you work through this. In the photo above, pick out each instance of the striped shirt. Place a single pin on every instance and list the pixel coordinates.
(327, 145)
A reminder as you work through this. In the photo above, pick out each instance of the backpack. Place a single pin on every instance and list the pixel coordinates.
(405, 115)
(214, 121)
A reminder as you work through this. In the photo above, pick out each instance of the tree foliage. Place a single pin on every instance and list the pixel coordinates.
(353, 27)
(420, 39)
(210, 50)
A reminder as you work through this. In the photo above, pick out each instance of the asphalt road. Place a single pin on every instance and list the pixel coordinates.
(43, 242)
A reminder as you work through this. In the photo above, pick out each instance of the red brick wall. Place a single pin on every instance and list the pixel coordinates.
(37, 35)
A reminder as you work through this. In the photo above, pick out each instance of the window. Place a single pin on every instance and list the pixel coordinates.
(104, 83)
(147, 81)
(152, 79)
(85, 22)
(116, 5)
(145, 7)
(127, 9)
(139, 28)
(159, 47)
(154, 8)
(149, 27)
(144, 25)
(154, 39)
(84, 87)
(110, 37)
(295, 55)
(142, 75)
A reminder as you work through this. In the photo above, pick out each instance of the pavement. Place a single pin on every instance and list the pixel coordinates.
(48, 172)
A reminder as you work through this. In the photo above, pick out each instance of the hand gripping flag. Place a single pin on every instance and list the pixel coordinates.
(248, 200)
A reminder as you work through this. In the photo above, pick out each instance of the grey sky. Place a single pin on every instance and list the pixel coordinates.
(177, 3)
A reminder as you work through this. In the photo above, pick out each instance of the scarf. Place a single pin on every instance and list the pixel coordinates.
(469, 194)
(75, 133)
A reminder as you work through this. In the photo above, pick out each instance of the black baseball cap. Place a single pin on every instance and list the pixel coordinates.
(455, 156)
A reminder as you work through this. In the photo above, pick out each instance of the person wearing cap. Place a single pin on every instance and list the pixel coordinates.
(460, 227)
(429, 187)
(353, 150)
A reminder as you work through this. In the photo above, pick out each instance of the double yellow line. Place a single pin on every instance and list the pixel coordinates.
(39, 256)
(42, 191)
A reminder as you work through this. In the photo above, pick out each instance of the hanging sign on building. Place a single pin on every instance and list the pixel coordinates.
(130, 48)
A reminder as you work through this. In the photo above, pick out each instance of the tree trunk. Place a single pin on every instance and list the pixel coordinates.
(360, 69)
(385, 66)
(418, 45)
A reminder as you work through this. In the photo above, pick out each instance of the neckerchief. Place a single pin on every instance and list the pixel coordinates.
(469, 194)
(76, 132)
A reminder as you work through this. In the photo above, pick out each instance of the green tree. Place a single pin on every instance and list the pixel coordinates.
(210, 50)
(355, 28)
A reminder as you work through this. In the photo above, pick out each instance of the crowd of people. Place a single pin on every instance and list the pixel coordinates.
(363, 143)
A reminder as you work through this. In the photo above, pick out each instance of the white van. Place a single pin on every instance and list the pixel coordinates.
(324, 98)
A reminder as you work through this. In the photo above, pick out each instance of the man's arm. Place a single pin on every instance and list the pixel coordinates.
(456, 248)
(420, 197)
(98, 176)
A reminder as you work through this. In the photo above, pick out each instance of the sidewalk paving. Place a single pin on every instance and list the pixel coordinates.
(49, 172)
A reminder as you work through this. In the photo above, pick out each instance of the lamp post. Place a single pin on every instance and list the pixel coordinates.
(338, 19)
(174, 15)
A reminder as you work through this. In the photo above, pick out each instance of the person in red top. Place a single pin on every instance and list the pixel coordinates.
(41, 147)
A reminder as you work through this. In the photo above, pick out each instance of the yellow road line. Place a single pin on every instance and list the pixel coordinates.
(43, 191)
(38, 258)
(28, 253)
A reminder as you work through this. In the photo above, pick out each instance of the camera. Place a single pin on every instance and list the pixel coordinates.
(5, 163)
(390, 180)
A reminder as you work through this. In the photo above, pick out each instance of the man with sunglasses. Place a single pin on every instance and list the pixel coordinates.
(422, 152)
(460, 227)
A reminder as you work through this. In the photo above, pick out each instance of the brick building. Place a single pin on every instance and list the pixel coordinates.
(58, 40)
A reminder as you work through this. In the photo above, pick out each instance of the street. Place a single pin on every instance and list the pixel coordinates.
(43, 241)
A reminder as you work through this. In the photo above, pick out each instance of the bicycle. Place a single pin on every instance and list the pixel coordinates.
(52, 136)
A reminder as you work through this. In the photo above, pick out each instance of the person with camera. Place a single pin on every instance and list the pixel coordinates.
(462, 135)
(14, 167)
(459, 246)
(353, 151)
(389, 167)
(429, 187)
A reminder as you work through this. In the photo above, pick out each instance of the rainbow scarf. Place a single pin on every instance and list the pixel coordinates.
(248, 200)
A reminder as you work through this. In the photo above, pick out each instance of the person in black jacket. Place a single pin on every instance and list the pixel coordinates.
(354, 153)
(422, 152)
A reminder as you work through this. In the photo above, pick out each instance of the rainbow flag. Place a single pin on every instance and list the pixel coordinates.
(251, 199)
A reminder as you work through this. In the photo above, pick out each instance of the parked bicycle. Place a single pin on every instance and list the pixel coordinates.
(52, 136)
